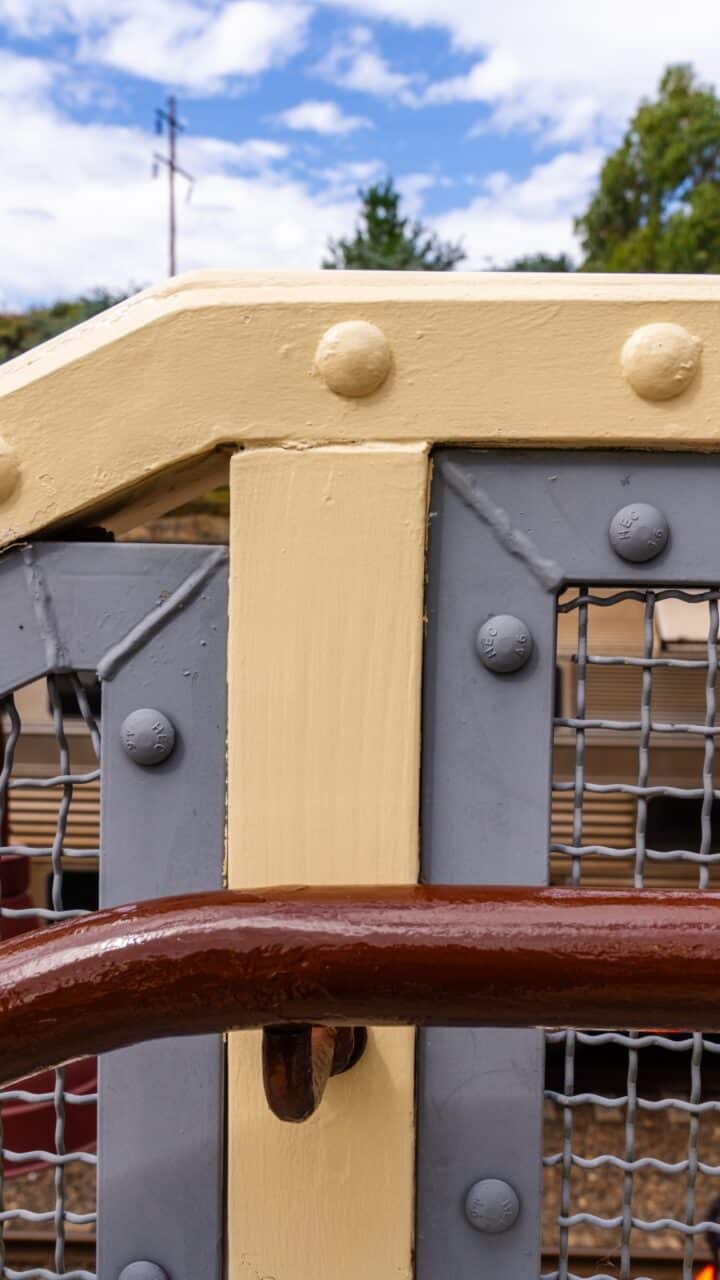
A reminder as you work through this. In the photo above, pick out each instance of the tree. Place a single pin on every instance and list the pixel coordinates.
(19, 331)
(541, 262)
(657, 205)
(384, 241)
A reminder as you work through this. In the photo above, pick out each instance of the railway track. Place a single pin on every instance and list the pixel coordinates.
(26, 1250)
(646, 1262)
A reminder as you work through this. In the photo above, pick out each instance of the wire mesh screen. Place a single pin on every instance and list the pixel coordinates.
(49, 784)
(632, 1120)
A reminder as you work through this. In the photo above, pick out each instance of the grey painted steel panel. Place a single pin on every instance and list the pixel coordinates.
(563, 504)
(160, 1139)
(151, 619)
(72, 605)
(507, 530)
(486, 811)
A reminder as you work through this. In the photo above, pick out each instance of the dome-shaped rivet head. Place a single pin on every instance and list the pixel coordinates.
(143, 1271)
(504, 643)
(148, 736)
(660, 360)
(9, 472)
(353, 358)
(639, 532)
(492, 1206)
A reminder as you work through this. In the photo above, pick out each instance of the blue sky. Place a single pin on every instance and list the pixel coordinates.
(492, 115)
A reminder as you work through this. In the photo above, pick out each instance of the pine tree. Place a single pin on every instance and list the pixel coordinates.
(385, 241)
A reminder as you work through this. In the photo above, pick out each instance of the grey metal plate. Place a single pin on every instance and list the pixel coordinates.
(507, 530)
(151, 620)
(562, 505)
(80, 606)
(480, 1091)
(161, 1139)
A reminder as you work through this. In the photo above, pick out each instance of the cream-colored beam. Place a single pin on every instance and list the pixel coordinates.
(326, 601)
(225, 358)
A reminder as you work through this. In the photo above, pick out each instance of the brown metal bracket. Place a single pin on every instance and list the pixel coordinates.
(299, 1061)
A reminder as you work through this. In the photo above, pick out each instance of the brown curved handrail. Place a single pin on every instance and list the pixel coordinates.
(422, 955)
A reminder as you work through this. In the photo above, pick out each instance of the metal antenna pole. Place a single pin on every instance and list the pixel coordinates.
(172, 125)
(167, 116)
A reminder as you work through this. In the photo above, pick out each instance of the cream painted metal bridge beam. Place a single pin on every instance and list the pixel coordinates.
(219, 358)
(325, 647)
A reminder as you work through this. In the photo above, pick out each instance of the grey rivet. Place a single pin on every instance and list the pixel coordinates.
(148, 736)
(492, 1206)
(504, 643)
(639, 532)
(143, 1271)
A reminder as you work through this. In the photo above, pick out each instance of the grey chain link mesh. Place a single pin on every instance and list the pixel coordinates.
(617, 1234)
(64, 782)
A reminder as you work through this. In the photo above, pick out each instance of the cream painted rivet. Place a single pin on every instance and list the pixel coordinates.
(353, 358)
(9, 472)
(660, 360)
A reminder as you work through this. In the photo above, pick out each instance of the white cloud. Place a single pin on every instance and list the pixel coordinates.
(413, 188)
(35, 18)
(197, 45)
(24, 79)
(532, 215)
(321, 117)
(570, 71)
(497, 77)
(354, 62)
(341, 182)
(204, 154)
(199, 49)
(80, 209)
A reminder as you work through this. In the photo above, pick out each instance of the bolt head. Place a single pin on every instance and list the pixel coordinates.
(143, 1271)
(492, 1206)
(148, 736)
(639, 532)
(504, 643)
(353, 358)
(660, 360)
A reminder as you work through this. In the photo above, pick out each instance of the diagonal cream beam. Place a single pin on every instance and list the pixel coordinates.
(91, 419)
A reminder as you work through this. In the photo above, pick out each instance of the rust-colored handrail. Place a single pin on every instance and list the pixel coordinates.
(335, 957)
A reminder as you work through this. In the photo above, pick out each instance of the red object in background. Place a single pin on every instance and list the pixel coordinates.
(15, 871)
(30, 1126)
(12, 927)
(15, 881)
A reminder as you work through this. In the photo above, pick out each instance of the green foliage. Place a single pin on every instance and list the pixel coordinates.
(541, 262)
(657, 206)
(22, 330)
(385, 241)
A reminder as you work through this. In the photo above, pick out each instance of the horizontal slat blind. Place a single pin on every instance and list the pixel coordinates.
(32, 816)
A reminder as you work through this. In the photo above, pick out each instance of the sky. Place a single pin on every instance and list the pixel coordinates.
(493, 116)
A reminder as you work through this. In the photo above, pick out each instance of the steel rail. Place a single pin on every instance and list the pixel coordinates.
(424, 955)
